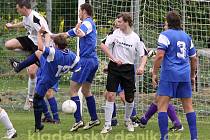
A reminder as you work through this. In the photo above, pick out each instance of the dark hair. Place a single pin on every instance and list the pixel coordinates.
(174, 20)
(126, 18)
(88, 8)
(22, 3)
(61, 42)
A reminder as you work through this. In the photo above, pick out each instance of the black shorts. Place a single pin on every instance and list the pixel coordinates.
(123, 75)
(27, 44)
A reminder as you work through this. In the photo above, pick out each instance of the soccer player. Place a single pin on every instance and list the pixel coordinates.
(54, 60)
(120, 91)
(177, 126)
(86, 31)
(124, 45)
(177, 56)
(4, 119)
(32, 21)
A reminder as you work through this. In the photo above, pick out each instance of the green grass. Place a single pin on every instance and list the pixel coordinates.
(24, 123)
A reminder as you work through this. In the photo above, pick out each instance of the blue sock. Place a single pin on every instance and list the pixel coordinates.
(134, 111)
(91, 107)
(114, 111)
(45, 110)
(163, 125)
(32, 59)
(77, 114)
(54, 108)
(191, 119)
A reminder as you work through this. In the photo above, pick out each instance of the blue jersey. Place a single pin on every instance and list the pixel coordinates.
(87, 44)
(178, 47)
(53, 63)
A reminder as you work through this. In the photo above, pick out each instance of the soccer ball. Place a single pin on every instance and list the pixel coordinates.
(69, 106)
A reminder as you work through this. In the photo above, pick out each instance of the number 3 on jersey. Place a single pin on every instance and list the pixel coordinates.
(62, 69)
(181, 53)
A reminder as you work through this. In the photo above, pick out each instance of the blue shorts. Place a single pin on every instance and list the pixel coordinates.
(119, 90)
(175, 89)
(89, 66)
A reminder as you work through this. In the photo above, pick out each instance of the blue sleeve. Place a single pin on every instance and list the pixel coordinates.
(71, 32)
(86, 27)
(75, 65)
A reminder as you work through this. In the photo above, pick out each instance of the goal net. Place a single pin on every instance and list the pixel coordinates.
(148, 16)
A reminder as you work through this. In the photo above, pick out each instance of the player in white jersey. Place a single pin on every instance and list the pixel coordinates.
(124, 44)
(4, 119)
(32, 21)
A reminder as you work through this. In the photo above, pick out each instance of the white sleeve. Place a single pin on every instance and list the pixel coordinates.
(51, 54)
(140, 48)
(110, 40)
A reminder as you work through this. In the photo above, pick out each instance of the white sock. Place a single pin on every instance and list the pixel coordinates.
(128, 110)
(4, 119)
(31, 87)
(109, 108)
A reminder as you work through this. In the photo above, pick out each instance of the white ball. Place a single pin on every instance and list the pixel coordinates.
(69, 106)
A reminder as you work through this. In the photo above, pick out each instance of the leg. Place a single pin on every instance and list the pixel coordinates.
(4, 119)
(150, 112)
(163, 102)
(191, 117)
(53, 105)
(47, 117)
(109, 107)
(38, 109)
(90, 101)
(13, 44)
(31, 85)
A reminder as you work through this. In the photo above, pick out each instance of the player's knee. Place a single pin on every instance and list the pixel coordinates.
(49, 93)
(129, 97)
(8, 45)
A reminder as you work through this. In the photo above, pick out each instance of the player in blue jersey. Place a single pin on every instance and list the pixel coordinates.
(86, 31)
(176, 55)
(54, 60)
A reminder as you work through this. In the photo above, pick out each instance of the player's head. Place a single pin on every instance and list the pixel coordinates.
(60, 42)
(22, 6)
(173, 20)
(124, 20)
(85, 11)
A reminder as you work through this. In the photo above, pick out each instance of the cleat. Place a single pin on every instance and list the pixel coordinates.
(114, 122)
(76, 126)
(142, 123)
(38, 129)
(91, 124)
(56, 122)
(47, 120)
(106, 129)
(176, 129)
(135, 120)
(129, 126)
(11, 134)
(14, 63)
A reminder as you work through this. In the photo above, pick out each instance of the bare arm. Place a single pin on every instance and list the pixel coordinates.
(65, 34)
(193, 64)
(141, 68)
(17, 25)
(105, 49)
(40, 42)
(157, 63)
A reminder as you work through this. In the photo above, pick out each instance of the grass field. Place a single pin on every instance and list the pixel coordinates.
(24, 123)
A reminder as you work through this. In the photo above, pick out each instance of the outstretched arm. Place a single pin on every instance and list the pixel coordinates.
(17, 25)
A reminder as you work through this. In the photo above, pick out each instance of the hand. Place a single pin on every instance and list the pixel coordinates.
(154, 80)
(105, 70)
(140, 71)
(78, 25)
(42, 30)
(118, 61)
(9, 25)
(193, 83)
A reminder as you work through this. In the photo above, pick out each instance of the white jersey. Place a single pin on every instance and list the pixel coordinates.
(33, 23)
(125, 46)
